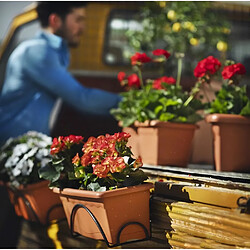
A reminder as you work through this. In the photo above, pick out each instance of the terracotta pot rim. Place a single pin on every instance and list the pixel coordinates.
(157, 123)
(227, 118)
(105, 194)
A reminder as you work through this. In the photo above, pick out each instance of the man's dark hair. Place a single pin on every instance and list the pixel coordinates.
(61, 8)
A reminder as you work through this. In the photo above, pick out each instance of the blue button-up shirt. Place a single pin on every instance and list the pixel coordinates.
(36, 77)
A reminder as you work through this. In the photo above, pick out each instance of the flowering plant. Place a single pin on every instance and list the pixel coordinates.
(23, 156)
(159, 99)
(99, 164)
(231, 98)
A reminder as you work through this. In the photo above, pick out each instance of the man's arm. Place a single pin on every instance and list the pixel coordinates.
(43, 65)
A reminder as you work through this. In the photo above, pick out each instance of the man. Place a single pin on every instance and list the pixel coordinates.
(37, 76)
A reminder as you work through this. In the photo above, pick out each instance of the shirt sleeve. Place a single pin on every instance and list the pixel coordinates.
(43, 66)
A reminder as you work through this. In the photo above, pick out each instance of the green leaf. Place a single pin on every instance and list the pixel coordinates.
(48, 172)
(166, 116)
(246, 110)
(96, 187)
(135, 178)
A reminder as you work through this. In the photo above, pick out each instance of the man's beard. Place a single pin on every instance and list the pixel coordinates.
(62, 32)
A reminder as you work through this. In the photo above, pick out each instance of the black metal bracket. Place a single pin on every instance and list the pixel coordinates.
(244, 204)
(74, 234)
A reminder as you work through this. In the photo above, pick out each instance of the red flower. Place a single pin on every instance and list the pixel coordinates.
(57, 146)
(157, 84)
(86, 159)
(134, 81)
(231, 70)
(120, 136)
(121, 76)
(209, 65)
(73, 139)
(140, 58)
(89, 144)
(76, 160)
(118, 165)
(138, 162)
(100, 170)
(160, 52)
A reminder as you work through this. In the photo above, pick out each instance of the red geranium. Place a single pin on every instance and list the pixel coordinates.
(234, 69)
(140, 58)
(121, 76)
(209, 65)
(159, 52)
(157, 84)
(134, 81)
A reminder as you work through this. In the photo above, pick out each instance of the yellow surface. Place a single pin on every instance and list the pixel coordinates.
(53, 229)
(19, 20)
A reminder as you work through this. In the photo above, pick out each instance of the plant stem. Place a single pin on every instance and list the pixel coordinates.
(179, 57)
(140, 77)
(194, 91)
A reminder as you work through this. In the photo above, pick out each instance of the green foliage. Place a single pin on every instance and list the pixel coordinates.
(190, 27)
(197, 20)
(231, 99)
(157, 104)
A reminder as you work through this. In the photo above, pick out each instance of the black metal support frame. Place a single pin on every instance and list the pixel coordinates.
(74, 234)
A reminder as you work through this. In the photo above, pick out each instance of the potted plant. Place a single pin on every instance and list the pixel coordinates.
(158, 109)
(104, 180)
(20, 159)
(229, 116)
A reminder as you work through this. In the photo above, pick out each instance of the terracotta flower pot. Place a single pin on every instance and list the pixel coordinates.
(112, 209)
(165, 143)
(36, 202)
(231, 142)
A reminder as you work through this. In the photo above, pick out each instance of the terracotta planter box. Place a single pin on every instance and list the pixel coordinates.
(231, 142)
(165, 143)
(36, 202)
(112, 209)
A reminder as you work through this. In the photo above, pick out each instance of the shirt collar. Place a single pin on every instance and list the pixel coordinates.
(54, 41)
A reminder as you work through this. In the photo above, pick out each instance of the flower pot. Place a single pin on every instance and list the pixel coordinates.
(36, 202)
(231, 142)
(112, 209)
(165, 143)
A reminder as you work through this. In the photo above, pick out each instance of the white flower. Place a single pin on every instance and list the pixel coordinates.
(27, 167)
(41, 153)
(20, 155)
(12, 161)
(20, 149)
